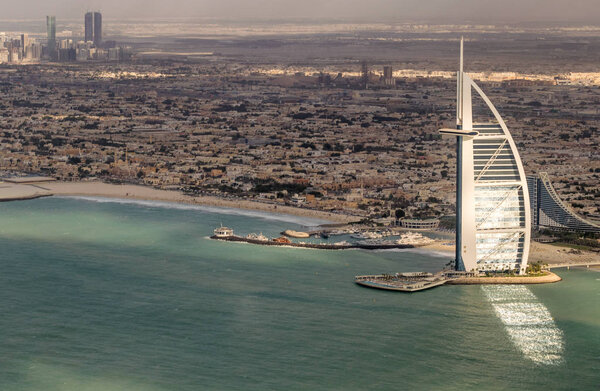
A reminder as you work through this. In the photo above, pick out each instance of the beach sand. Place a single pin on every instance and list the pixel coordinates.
(539, 252)
(14, 191)
(9, 191)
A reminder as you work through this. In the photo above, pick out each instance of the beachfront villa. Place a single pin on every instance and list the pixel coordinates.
(493, 217)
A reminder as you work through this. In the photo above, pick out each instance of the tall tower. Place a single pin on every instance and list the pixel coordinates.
(364, 74)
(89, 27)
(97, 28)
(493, 217)
(51, 32)
(388, 75)
(93, 28)
(24, 44)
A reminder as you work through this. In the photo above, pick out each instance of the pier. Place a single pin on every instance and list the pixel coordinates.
(320, 246)
(570, 265)
(419, 281)
(403, 282)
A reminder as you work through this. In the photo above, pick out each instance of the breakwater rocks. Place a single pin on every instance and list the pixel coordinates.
(321, 246)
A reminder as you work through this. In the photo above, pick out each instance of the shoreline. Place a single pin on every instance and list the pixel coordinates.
(24, 198)
(539, 252)
(19, 192)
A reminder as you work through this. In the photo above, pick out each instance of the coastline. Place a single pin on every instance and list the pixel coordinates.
(539, 252)
(13, 192)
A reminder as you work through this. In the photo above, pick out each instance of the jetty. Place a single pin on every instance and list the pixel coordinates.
(419, 281)
(403, 282)
(320, 246)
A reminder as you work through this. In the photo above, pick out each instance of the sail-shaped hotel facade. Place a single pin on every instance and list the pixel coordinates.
(493, 217)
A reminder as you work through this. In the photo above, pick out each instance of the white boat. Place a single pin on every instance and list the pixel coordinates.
(368, 235)
(259, 237)
(223, 232)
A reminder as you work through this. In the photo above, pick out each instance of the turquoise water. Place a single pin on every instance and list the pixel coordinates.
(124, 296)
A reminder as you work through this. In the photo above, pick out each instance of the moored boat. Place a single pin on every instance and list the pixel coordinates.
(223, 232)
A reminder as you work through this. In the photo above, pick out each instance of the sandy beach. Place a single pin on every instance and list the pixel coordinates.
(11, 191)
(539, 252)
(15, 191)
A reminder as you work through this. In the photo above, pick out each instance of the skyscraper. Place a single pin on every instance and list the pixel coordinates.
(97, 28)
(24, 44)
(388, 75)
(89, 27)
(364, 74)
(493, 216)
(93, 27)
(51, 31)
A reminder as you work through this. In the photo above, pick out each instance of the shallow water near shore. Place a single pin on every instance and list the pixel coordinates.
(133, 296)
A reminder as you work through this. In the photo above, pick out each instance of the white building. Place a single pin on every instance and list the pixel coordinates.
(493, 225)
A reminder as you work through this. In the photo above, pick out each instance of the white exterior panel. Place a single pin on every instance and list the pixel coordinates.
(495, 217)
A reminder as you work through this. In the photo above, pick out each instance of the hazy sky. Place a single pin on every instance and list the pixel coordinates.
(402, 10)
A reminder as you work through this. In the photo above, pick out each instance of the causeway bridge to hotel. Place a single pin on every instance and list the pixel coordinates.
(570, 265)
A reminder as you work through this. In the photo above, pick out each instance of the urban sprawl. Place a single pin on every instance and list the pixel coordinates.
(358, 138)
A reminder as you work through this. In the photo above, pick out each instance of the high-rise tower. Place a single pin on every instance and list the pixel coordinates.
(89, 27)
(493, 218)
(51, 32)
(388, 75)
(24, 44)
(97, 28)
(93, 27)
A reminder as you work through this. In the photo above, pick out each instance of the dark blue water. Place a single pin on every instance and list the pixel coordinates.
(110, 296)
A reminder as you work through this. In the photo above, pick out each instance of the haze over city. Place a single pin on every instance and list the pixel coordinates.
(442, 11)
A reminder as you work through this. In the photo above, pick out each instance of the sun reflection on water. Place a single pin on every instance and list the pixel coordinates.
(528, 323)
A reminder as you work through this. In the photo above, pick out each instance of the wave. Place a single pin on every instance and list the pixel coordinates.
(300, 220)
(528, 323)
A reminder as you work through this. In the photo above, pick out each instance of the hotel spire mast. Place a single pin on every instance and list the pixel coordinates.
(459, 87)
(458, 262)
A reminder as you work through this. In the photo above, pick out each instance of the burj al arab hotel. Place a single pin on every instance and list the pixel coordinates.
(493, 218)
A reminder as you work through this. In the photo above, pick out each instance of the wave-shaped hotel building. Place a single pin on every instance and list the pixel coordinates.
(548, 211)
(493, 216)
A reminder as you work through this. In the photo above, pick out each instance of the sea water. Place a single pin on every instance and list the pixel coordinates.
(99, 294)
